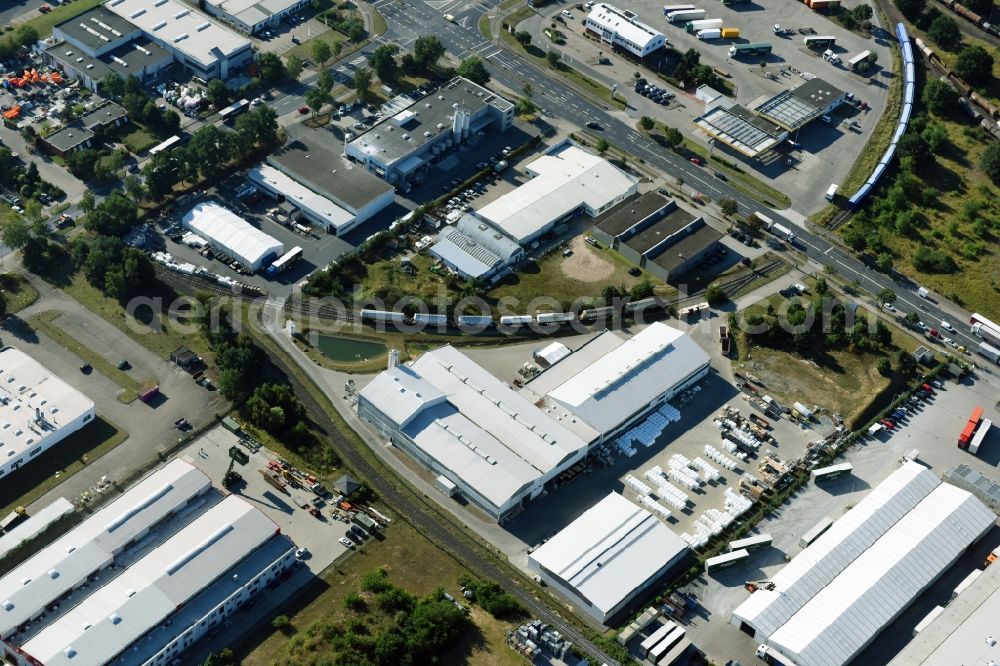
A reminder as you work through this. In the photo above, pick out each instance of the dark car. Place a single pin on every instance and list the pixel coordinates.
(593, 124)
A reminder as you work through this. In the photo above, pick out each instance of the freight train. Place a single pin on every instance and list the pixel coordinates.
(969, 97)
(507, 322)
(971, 16)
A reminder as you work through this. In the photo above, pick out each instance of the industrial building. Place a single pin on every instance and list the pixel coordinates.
(613, 381)
(231, 235)
(252, 16)
(623, 30)
(835, 596)
(474, 249)
(653, 232)
(403, 147)
(965, 632)
(117, 36)
(565, 182)
(142, 579)
(492, 445)
(328, 190)
(608, 557)
(37, 409)
(756, 130)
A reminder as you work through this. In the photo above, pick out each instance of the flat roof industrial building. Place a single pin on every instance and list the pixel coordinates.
(965, 633)
(252, 16)
(232, 235)
(140, 57)
(37, 410)
(324, 171)
(613, 380)
(795, 108)
(474, 249)
(835, 596)
(623, 30)
(608, 557)
(654, 232)
(460, 421)
(564, 181)
(741, 129)
(402, 147)
(142, 579)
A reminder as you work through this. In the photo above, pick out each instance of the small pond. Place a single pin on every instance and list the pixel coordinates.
(345, 350)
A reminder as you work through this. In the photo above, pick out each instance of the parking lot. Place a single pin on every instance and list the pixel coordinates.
(818, 160)
(932, 429)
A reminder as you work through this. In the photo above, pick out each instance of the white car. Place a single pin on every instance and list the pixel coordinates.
(951, 342)
(948, 327)
(256, 101)
(567, 14)
(888, 307)
(922, 326)
(346, 542)
(301, 553)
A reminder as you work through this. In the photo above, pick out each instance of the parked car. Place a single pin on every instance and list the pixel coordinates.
(347, 543)
(303, 110)
(696, 161)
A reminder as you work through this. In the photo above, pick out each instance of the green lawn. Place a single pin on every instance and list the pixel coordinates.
(139, 140)
(331, 37)
(59, 463)
(379, 25)
(17, 292)
(130, 386)
(43, 22)
(484, 27)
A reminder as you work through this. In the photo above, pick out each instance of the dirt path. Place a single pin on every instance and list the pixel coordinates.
(586, 265)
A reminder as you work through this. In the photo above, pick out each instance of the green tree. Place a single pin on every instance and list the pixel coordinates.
(113, 85)
(728, 206)
(553, 58)
(525, 107)
(134, 188)
(929, 260)
(321, 52)
(160, 174)
(362, 81)
(218, 93)
(822, 288)
(647, 123)
(642, 289)
(293, 67)
(974, 65)
(282, 624)
(883, 262)
(260, 126)
(990, 161)
(715, 295)
(523, 37)
(325, 81)
(87, 202)
(270, 67)
(939, 97)
(944, 31)
(209, 151)
(316, 98)
(16, 232)
(602, 145)
(473, 69)
(936, 137)
(911, 8)
(383, 62)
(672, 137)
(427, 51)
(886, 296)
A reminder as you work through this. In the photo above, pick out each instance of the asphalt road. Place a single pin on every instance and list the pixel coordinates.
(411, 18)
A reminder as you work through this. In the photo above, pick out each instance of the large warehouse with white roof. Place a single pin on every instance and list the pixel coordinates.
(613, 380)
(465, 424)
(37, 409)
(608, 557)
(92, 598)
(232, 235)
(565, 181)
(835, 597)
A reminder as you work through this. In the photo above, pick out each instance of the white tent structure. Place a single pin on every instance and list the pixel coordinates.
(231, 234)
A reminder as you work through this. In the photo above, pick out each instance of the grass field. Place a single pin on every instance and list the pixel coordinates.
(331, 37)
(17, 292)
(413, 563)
(484, 27)
(59, 463)
(130, 387)
(139, 140)
(379, 26)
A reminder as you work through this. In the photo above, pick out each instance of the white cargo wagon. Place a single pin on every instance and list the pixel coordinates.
(751, 542)
(930, 617)
(726, 560)
(815, 532)
(831, 472)
(981, 433)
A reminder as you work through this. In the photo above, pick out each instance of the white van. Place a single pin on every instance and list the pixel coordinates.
(831, 192)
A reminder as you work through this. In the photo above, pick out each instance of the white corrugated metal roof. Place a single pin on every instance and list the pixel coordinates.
(245, 242)
(128, 606)
(553, 352)
(92, 545)
(469, 257)
(35, 524)
(842, 618)
(606, 391)
(27, 388)
(608, 552)
(814, 568)
(494, 439)
(563, 181)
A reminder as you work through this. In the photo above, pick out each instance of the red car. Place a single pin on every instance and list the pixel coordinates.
(888, 424)
(45, 9)
(303, 109)
(695, 160)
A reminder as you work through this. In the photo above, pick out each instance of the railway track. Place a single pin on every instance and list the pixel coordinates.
(189, 284)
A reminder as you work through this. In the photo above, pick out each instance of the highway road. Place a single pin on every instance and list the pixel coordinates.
(409, 19)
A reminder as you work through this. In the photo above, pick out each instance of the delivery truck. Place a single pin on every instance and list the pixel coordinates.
(703, 24)
(686, 15)
(710, 33)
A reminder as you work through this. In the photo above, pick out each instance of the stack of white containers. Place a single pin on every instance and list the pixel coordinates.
(657, 508)
(637, 485)
(719, 457)
(708, 473)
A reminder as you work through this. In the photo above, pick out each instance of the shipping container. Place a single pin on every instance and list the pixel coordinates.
(751, 542)
(554, 317)
(726, 560)
(860, 62)
(432, 319)
(712, 33)
(286, 260)
(819, 41)
(515, 320)
(970, 428)
(930, 617)
(475, 320)
(966, 582)
(383, 315)
(989, 351)
(815, 532)
(831, 472)
(660, 650)
(656, 637)
(985, 329)
(804, 411)
(982, 432)
(668, 9)
(730, 33)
